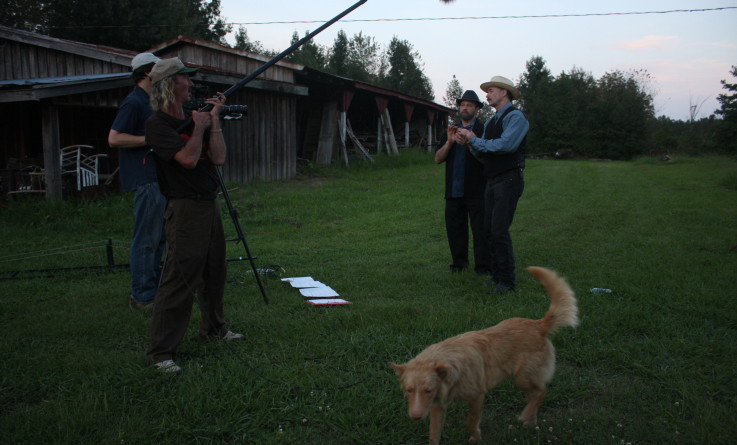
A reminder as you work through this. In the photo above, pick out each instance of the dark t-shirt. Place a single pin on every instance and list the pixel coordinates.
(137, 165)
(175, 180)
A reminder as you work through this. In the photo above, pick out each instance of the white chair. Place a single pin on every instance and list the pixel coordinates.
(85, 168)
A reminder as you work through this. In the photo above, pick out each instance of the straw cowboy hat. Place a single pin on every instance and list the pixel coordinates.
(502, 82)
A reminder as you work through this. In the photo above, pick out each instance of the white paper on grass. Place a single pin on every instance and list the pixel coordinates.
(328, 302)
(318, 292)
(302, 282)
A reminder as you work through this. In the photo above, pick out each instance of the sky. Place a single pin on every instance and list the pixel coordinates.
(685, 54)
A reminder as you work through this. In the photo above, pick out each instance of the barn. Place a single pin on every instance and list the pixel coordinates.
(55, 93)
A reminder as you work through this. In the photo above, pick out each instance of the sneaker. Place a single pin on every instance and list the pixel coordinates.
(232, 336)
(168, 366)
(135, 305)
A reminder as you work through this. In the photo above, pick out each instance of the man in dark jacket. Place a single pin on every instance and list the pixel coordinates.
(464, 189)
(138, 175)
(502, 148)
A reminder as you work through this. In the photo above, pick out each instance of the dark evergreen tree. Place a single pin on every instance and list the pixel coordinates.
(338, 59)
(364, 59)
(128, 24)
(567, 113)
(453, 91)
(727, 128)
(621, 116)
(310, 54)
(242, 41)
(405, 72)
(29, 15)
(534, 84)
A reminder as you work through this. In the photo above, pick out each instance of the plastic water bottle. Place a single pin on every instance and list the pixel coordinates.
(600, 290)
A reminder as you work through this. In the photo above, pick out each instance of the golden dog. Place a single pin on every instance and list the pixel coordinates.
(466, 366)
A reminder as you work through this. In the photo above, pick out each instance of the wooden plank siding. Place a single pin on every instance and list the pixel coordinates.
(22, 61)
(262, 144)
(293, 111)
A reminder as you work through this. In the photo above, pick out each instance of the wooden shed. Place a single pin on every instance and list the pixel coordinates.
(56, 92)
(379, 119)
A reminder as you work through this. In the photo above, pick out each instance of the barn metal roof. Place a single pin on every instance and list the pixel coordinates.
(18, 90)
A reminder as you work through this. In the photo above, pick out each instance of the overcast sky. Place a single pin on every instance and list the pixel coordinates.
(685, 53)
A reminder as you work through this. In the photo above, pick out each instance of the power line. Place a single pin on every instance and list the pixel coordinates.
(501, 17)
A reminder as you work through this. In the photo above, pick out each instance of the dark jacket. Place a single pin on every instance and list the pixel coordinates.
(497, 164)
(474, 180)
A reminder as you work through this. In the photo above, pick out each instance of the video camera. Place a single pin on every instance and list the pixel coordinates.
(200, 92)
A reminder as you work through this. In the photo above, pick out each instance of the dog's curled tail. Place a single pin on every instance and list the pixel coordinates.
(563, 308)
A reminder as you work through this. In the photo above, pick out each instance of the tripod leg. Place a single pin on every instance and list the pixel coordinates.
(239, 231)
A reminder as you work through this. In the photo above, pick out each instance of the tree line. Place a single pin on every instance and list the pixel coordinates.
(610, 117)
(398, 67)
(140, 24)
(613, 117)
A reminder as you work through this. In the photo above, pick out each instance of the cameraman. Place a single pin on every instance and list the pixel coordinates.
(195, 261)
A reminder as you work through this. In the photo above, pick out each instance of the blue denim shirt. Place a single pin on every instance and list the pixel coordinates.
(515, 129)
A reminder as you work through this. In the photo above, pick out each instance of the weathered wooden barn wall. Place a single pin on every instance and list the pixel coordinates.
(31, 56)
(334, 100)
(222, 59)
(56, 92)
(261, 145)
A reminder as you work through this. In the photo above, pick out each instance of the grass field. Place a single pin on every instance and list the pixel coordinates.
(654, 362)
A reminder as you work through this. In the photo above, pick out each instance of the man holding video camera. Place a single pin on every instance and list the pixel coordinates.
(195, 261)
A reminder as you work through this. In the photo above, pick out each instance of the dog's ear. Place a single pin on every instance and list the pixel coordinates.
(398, 369)
(442, 370)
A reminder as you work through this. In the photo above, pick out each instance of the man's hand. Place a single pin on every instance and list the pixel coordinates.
(202, 119)
(217, 102)
(464, 136)
(452, 133)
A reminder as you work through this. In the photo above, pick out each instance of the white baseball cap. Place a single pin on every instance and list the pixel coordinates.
(143, 59)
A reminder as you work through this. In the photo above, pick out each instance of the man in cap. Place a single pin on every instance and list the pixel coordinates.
(138, 175)
(464, 189)
(195, 261)
(502, 148)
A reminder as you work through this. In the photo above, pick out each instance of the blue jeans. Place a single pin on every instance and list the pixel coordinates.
(148, 243)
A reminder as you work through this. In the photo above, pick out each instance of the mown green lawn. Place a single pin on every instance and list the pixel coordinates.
(653, 362)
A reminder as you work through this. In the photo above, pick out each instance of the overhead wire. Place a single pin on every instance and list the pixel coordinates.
(410, 19)
(501, 17)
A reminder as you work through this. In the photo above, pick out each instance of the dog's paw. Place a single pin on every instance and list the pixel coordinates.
(475, 436)
(528, 422)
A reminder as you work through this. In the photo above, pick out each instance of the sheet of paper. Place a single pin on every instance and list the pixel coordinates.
(318, 292)
(328, 302)
(302, 282)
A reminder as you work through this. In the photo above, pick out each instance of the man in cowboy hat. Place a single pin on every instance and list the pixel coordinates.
(138, 175)
(502, 148)
(464, 189)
